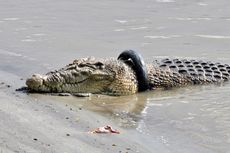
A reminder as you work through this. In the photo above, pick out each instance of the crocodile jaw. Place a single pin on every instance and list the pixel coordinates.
(44, 83)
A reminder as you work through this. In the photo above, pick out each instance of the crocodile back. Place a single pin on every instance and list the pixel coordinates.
(169, 73)
(198, 71)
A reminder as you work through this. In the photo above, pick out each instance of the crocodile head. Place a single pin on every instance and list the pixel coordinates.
(87, 75)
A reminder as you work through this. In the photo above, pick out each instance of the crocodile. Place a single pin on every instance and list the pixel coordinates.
(127, 75)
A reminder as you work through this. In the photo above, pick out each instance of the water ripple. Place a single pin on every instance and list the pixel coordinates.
(119, 30)
(202, 4)
(191, 18)
(165, 1)
(28, 40)
(39, 34)
(138, 28)
(213, 36)
(163, 37)
(121, 21)
(11, 19)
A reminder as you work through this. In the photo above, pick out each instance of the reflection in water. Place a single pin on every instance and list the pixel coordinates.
(126, 110)
(180, 108)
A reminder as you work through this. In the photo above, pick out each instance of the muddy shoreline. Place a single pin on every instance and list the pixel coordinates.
(40, 123)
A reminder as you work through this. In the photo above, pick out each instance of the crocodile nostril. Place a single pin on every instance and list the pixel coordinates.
(35, 81)
(75, 74)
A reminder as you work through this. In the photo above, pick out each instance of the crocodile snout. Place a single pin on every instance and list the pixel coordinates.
(35, 81)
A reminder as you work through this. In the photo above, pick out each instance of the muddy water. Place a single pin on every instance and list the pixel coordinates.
(37, 36)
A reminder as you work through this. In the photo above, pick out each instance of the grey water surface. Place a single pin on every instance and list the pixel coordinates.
(42, 35)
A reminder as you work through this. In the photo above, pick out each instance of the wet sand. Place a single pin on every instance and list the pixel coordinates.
(39, 36)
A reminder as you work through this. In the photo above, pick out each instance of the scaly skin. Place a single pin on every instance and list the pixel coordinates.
(113, 77)
(87, 75)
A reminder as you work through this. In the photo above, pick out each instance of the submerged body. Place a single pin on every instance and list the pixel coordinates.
(115, 77)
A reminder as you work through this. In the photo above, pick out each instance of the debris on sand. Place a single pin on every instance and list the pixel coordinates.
(105, 129)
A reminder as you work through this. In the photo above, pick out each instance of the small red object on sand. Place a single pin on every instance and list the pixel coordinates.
(105, 129)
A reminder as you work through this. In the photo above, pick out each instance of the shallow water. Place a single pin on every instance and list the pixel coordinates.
(37, 36)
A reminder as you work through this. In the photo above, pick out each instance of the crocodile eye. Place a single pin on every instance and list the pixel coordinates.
(100, 65)
(80, 65)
